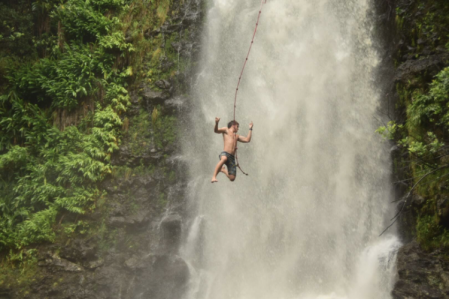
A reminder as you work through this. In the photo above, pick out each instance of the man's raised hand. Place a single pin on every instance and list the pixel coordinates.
(217, 119)
(250, 125)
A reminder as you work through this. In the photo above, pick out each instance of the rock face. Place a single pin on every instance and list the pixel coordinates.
(171, 230)
(420, 274)
(431, 65)
(137, 257)
(417, 59)
(53, 260)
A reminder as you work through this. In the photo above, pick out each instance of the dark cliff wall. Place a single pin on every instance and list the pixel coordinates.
(416, 101)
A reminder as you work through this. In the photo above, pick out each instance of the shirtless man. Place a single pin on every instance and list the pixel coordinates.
(230, 139)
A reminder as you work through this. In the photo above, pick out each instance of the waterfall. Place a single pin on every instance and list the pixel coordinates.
(305, 222)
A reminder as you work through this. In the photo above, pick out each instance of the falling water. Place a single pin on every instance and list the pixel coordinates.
(305, 222)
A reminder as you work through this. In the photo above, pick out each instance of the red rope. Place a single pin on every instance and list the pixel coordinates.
(241, 74)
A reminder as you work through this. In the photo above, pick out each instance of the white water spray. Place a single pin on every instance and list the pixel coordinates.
(305, 223)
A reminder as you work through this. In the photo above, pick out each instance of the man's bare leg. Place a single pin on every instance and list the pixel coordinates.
(225, 171)
(218, 168)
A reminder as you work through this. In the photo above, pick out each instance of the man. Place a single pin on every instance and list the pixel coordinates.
(230, 139)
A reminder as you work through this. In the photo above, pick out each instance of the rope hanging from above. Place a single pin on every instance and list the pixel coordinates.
(241, 74)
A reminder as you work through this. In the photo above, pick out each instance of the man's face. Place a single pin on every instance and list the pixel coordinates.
(236, 127)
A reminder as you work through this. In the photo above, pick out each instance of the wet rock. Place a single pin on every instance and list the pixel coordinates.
(175, 105)
(171, 231)
(134, 98)
(443, 210)
(169, 277)
(163, 84)
(137, 219)
(152, 33)
(5, 293)
(409, 69)
(110, 186)
(171, 224)
(421, 274)
(119, 221)
(190, 18)
(94, 264)
(79, 250)
(154, 97)
(417, 200)
(440, 49)
(117, 209)
(166, 64)
(124, 157)
(134, 109)
(177, 46)
(53, 260)
(129, 39)
(105, 275)
(135, 263)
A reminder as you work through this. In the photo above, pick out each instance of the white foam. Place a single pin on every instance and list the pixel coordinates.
(305, 222)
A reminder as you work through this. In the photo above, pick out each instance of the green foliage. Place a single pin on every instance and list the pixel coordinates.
(59, 82)
(389, 131)
(86, 19)
(165, 131)
(399, 18)
(162, 10)
(427, 122)
(19, 269)
(60, 57)
(61, 176)
(139, 133)
(157, 131)
(107, 237)
(430, 234)
(116, 40)
(20, 122)
(80, 226)
(422, 149)
(434, 21)
(422, 28)
(16, 28)
(46, 172)
(424, 101)
(432, 107)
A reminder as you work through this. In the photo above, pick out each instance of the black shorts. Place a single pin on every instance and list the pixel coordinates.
(230, 163)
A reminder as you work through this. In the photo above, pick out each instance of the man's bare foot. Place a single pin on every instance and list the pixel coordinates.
(214, 180)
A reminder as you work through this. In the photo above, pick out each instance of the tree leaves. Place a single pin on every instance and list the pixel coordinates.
(45, 171)
(62, 176)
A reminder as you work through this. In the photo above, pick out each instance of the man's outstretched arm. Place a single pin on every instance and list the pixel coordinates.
(247, 138)
(216, 129)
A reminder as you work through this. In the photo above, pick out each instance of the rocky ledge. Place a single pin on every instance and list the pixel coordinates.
(421, 274)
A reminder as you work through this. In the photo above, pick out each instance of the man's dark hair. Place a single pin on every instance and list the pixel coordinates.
(231, 123)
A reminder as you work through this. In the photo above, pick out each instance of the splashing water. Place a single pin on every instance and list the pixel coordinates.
(305, 222)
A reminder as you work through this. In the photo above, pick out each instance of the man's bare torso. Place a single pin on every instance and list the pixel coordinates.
(230, 140)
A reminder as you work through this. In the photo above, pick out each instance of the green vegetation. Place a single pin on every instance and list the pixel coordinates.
(45, 170)
(423, 136)
(19, 269)
(76, 58)
(422, 24)
(139, 133)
